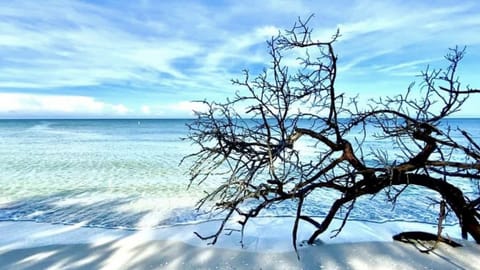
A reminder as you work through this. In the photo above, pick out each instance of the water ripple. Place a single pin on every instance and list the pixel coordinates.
(118, 174)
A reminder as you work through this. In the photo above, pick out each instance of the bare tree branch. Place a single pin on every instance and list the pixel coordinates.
(249, 144)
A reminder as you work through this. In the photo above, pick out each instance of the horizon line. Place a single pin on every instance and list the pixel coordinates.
(165, 118)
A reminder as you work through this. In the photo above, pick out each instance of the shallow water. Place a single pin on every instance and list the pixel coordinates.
(126, 174)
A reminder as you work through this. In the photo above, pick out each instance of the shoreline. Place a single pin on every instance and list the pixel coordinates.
(30, 245)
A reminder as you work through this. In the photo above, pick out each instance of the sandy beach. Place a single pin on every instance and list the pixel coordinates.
(29, 245)
(177, 255)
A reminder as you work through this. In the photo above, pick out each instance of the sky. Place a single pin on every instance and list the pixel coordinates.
(142, 59)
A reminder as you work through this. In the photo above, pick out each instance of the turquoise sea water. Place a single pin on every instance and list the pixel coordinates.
(126, 174)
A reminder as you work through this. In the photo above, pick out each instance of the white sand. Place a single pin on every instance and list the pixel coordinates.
(28, 245)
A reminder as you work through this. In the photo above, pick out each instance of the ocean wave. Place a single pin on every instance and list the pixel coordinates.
(118, 174)
(112, 211)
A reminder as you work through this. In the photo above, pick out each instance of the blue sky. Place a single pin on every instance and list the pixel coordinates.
(151, 58)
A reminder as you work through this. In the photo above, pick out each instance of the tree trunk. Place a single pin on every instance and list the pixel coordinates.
(453, 196)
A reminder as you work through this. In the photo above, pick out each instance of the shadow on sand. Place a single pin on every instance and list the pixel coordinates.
(54, 246)
(127, 254)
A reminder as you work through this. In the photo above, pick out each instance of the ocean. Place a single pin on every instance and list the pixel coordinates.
(126, 174)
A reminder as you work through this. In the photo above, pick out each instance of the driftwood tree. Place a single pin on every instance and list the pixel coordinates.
(254, 152)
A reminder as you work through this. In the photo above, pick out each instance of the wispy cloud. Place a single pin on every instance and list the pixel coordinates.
(91, 50)
(404, 31)
(72, 44)
(407, 69)
(117, 52)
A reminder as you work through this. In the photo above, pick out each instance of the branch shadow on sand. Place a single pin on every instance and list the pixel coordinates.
(122, 254)
(40, 245)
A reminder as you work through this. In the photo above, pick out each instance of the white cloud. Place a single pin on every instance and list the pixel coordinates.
(187, 107)
(179, 109)
(145, 109)
(120, 109)
(20, 104)
(410, 69)
(267, 31)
